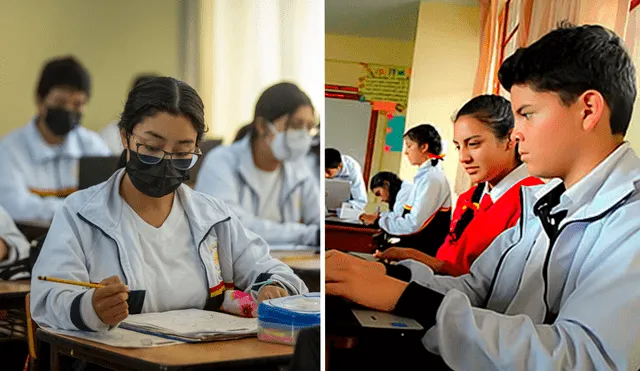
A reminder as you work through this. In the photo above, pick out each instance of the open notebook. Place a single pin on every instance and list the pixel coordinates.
(192, 325)
(168, 328)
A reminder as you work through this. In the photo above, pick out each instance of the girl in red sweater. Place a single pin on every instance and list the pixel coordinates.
(482, 131)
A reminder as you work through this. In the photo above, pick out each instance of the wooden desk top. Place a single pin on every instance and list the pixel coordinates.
(15, 287)
(302, 259)
(232, 352)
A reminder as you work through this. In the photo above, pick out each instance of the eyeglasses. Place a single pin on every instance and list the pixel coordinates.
(151, 155)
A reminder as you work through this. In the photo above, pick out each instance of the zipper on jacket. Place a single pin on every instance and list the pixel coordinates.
(126, 279)
(204, 266)
(545, 267)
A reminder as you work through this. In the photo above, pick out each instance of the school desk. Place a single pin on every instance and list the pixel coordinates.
(12, 310)
(305, 264)
(244, 354)
(33, 230)
(344, 236)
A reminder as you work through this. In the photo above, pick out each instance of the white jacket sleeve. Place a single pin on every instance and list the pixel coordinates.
(61, 306)
(218, 179)
(15, 197)
(427, 199)
(17, 244)
(251, 263)
(597, 327)
(358, 188)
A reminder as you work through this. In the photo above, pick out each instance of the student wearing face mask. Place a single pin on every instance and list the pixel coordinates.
(264, 178)
(154, 243)
(40, 160)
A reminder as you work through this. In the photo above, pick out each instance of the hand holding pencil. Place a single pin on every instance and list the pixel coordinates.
(109, 300)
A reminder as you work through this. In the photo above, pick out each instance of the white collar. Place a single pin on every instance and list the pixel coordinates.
(506, 183)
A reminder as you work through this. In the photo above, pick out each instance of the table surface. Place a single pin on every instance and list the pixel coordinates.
(218, 352)
(15, 287)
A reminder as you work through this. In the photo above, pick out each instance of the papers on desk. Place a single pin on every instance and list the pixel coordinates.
(192, 325)
(119, 337)
(169, 328)
(347, 221)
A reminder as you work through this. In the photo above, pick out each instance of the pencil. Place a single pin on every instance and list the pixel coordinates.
(70, 282)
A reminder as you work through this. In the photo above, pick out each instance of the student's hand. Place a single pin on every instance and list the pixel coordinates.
(361, 281)
(4, 250)
(271, 292)
(403, 253)
(369, 219)
(110, 302)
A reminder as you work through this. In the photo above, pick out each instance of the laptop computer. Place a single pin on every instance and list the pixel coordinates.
(95, 170)
(337, 192)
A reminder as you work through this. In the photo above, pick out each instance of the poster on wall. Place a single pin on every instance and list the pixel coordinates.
(385, 84)
(395, 132)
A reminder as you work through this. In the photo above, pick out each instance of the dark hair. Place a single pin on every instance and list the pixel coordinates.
(63, 72)
(494, 111)
(279, 100)
(573, 59)
(395, 183)
(142, 78)
(332, 158)
(162, 94)
(467, 215)
(426, 134)
(242, 132)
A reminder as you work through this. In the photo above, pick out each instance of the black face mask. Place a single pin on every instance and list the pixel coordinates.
(154, 180)
(60, 121)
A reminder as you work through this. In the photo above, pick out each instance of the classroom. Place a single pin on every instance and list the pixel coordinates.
(475, 195)
(160, 184)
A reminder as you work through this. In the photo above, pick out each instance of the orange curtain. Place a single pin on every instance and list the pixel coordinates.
(541, 16)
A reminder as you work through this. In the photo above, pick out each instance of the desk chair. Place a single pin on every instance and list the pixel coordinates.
(32, 357)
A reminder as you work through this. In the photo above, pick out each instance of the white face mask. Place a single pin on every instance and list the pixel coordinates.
(291, 144)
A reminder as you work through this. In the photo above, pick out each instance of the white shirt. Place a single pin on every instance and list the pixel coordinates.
(169, 247)
(506, 183)
(271, 183)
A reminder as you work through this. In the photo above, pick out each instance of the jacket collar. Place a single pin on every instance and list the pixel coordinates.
(104, 208)
(608, 184)
(293, 171)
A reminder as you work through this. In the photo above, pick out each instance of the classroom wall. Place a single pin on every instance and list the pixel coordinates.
(444, 66)
(343, 55)
(114, 39)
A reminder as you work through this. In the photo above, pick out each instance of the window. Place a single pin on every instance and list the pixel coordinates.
(509, 25)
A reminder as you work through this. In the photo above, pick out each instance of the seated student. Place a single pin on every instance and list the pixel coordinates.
(391, 189)
(424, 223)
(14, 247)
(481, 133)
(111, 133)
(40, 161)
(264, 178)
(339, 166)
(560, 289)
(144, 232)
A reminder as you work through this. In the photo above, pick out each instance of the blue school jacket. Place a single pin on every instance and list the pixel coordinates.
(87, 242)
(37, 176)
(533, 304)
(229, 174)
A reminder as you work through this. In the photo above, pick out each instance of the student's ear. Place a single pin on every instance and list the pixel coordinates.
(424, 148)
(511, 142)
(123, 139)
(592, 106)
(261, 127)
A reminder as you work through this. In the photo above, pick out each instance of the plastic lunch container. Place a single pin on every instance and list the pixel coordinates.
(280, 320)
